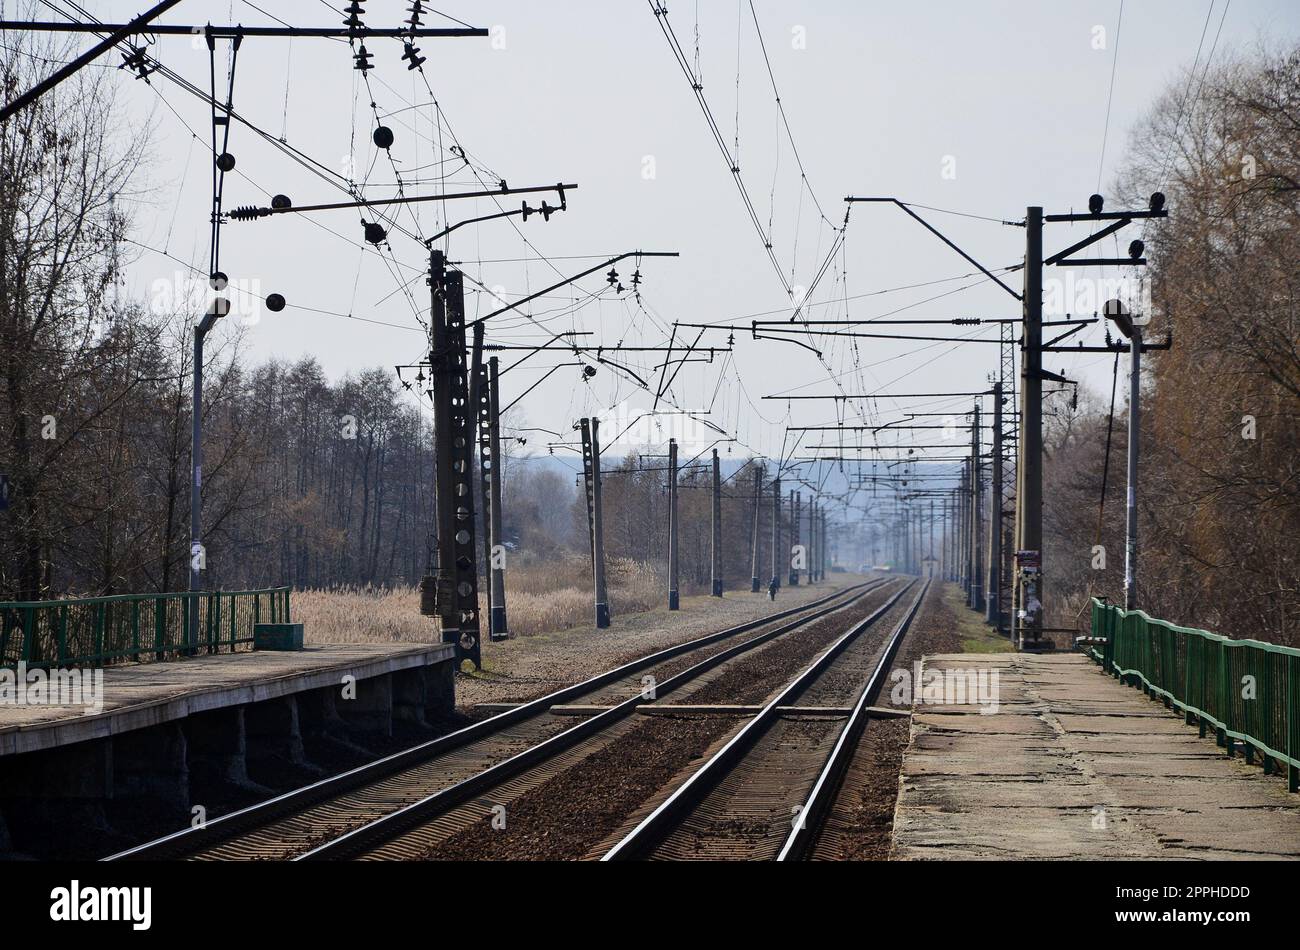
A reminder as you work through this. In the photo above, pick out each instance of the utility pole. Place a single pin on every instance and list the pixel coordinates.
(758, 509)
(497, 625)
(821, 543)
(966, 529)
(480, 398)
(931, 545)
(452, 591)
(794, 537)
(813, 543)
(775, 583)
(1030, 582)
(810, 544)
(715, 535)
(993, 599)
(674, 600)
(908, 555)
(977, 518)
(595, 520)
(1028, 602)
(943, 538)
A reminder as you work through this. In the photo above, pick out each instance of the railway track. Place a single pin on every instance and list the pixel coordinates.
(766, 793)
(339, 816)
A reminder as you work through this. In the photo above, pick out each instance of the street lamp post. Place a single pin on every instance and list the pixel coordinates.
(219, 307)
(1116, 311)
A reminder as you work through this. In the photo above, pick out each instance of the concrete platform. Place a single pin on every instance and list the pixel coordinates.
(1074, 766)
(175, 737)
(148, 694)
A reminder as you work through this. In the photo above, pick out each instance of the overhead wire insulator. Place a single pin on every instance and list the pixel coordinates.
(137, 62)
(355, 12)
(249, 213)
(363, 59)
(416, 9)
(412, 54)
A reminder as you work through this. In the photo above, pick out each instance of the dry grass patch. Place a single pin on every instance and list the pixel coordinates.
(541, 598)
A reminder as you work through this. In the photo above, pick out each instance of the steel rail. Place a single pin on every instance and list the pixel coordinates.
(817, 806)
(392, 825)
(656, 826)
(224, 827)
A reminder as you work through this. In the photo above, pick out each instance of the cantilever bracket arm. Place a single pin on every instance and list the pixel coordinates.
(1069, 333)
(935, 231)
(252, 213)
(570, 280)
(1060, 256)
(788, 339)
(545, 211)
(138, 25)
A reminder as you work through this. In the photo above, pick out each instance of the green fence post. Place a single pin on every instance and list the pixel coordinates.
(99, 633)
(29, 633)
(214, 622)
(1293, 722)
(63, 635)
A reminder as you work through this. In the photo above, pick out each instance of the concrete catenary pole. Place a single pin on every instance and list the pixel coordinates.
(1028, 604)
(775, 583)
(595, 518)
(758, 511)
(499, 629)
(715, 533)
(674, 599)
(795, 499)
(977, 517)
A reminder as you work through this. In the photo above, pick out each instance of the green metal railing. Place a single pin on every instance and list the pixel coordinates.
(1247, 691)
(95, 631)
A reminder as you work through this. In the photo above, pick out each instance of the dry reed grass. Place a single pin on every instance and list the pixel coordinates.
(541, 597)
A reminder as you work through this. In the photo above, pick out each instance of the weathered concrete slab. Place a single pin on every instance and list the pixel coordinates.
(1074, 766)
(140, 695)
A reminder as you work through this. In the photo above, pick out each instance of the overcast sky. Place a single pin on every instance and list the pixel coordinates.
(978, 107)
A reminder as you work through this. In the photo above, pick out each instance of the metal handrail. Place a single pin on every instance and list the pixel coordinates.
(1247, 691)
(95, 631)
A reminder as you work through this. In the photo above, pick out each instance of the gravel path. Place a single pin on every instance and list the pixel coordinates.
(523, 669)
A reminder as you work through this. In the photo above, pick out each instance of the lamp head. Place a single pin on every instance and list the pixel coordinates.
(1115, 310)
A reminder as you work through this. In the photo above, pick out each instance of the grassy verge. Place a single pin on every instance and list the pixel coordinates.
(976, 635)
